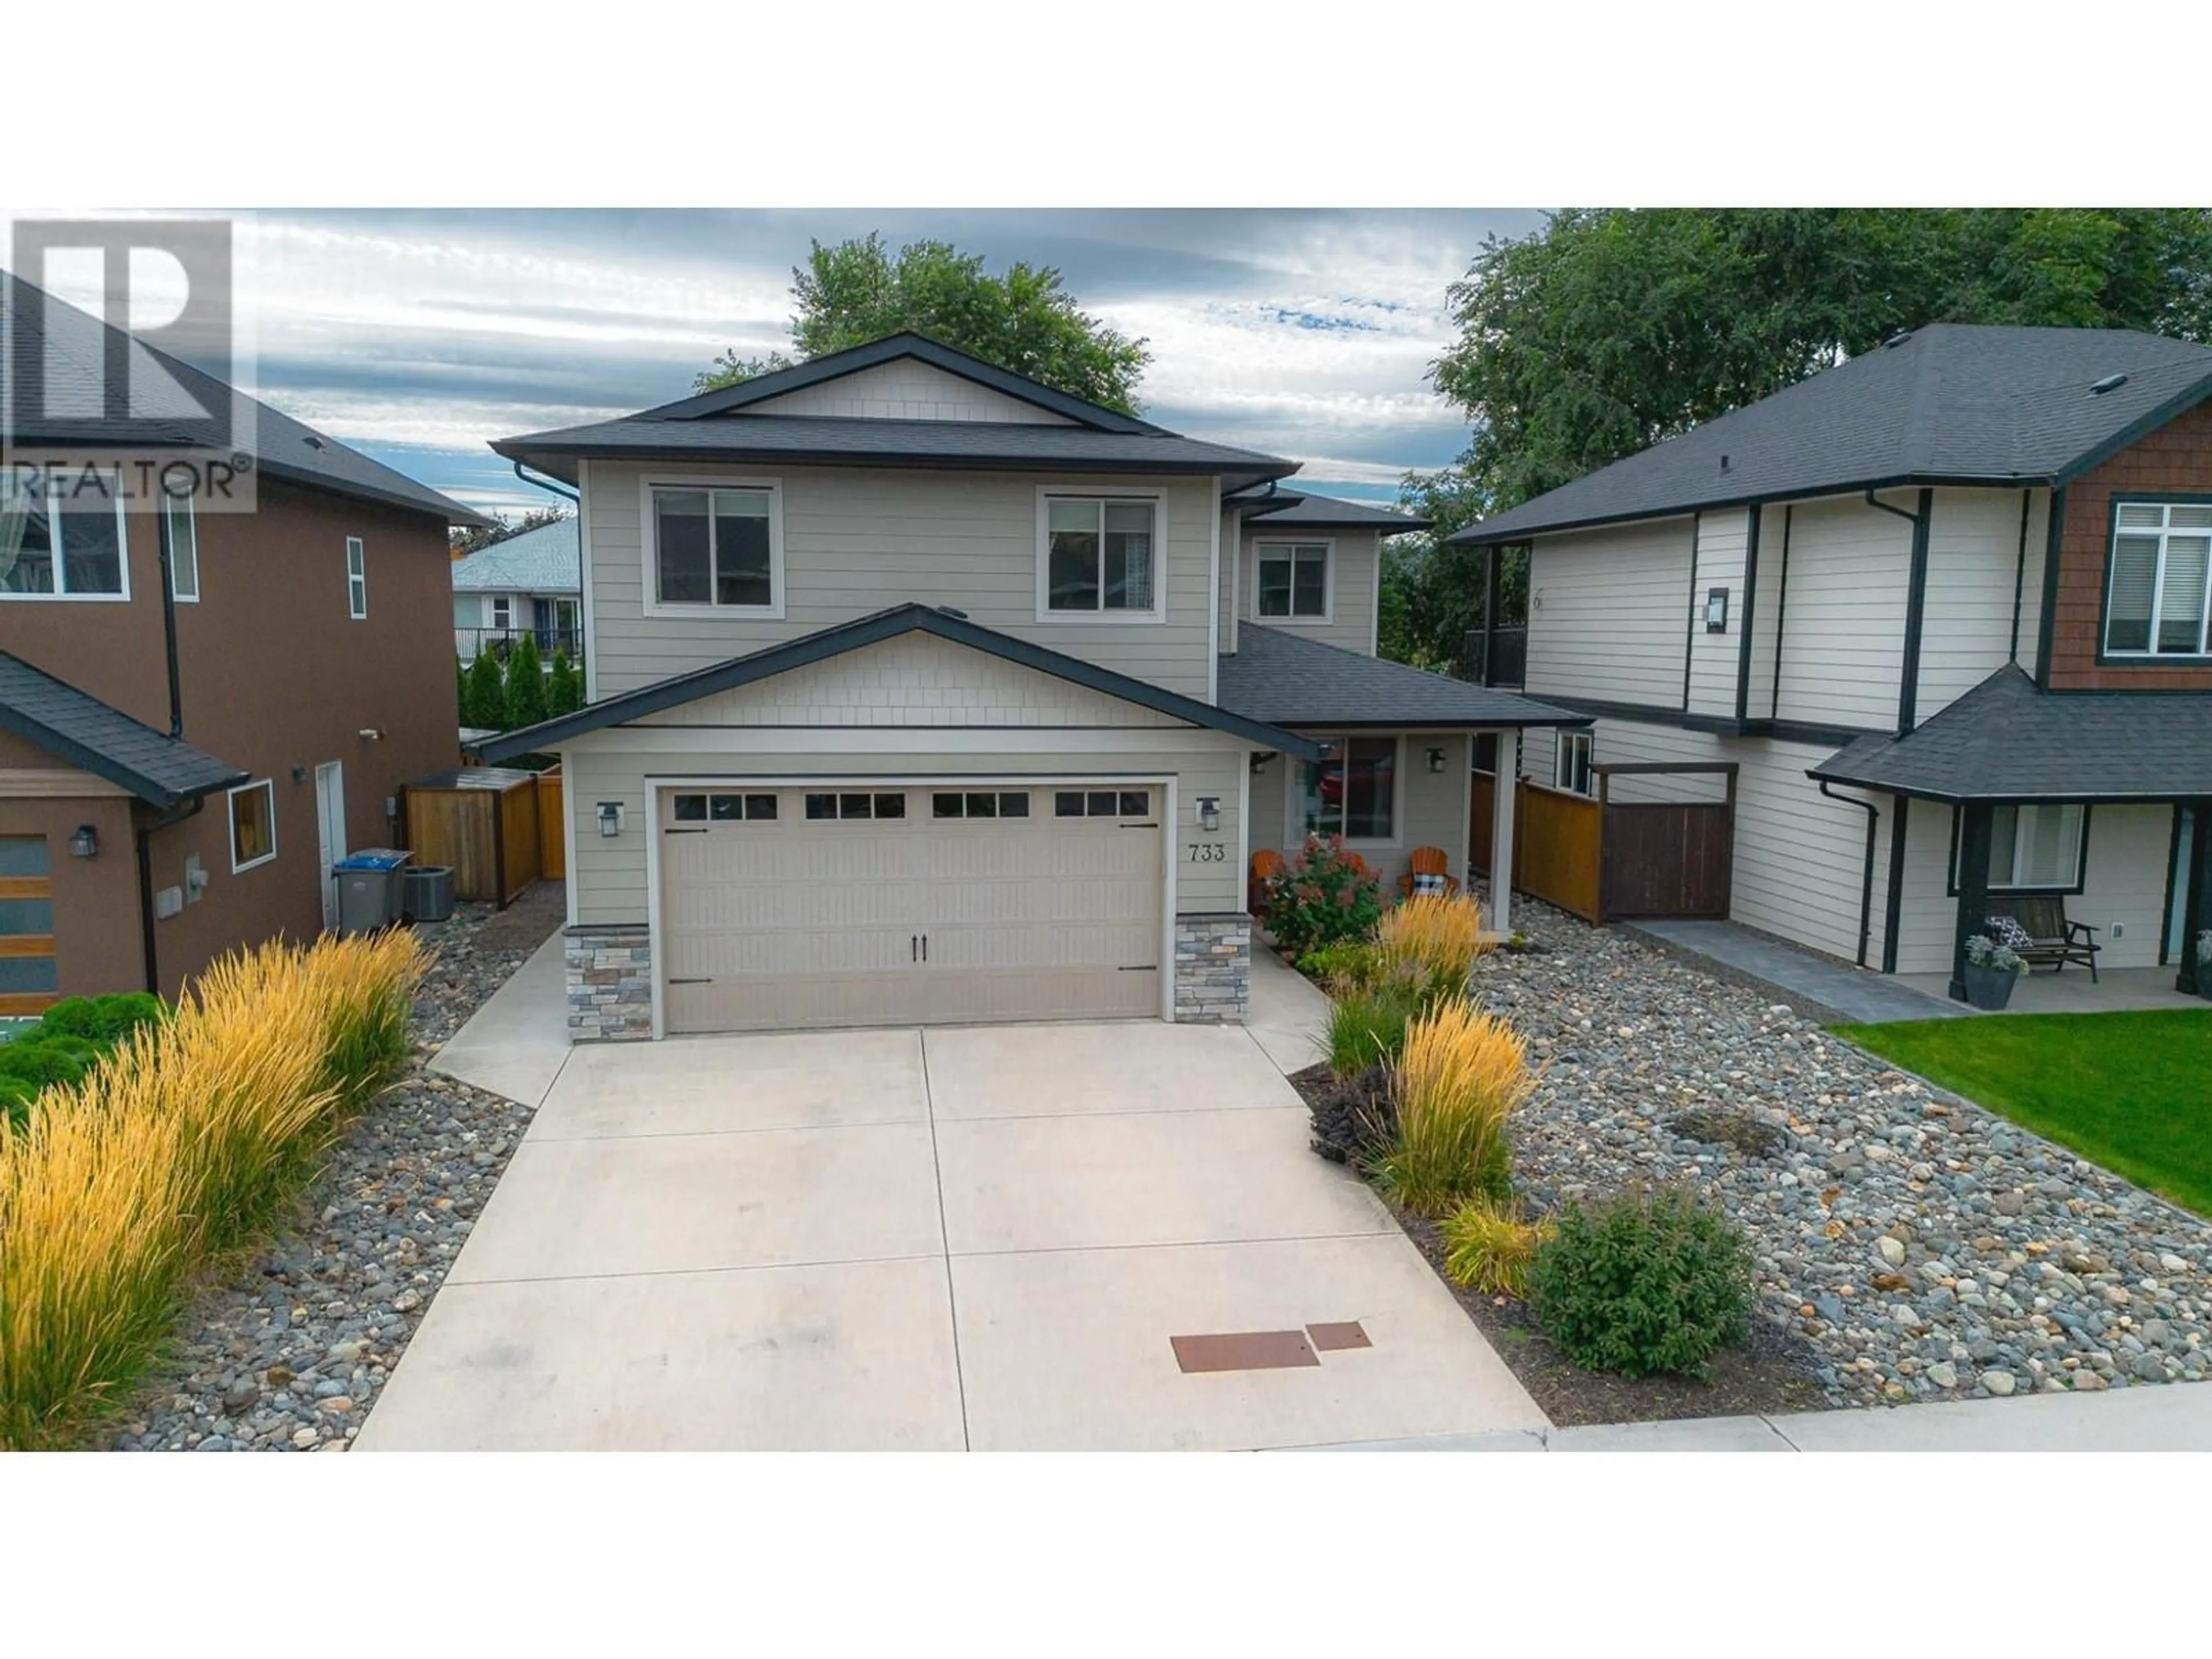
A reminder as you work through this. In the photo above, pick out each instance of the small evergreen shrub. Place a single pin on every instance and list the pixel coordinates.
(564, 687)
(526, 684)
(484, 695)
(104, 1019)
(1325, 895)
(1649, 1280)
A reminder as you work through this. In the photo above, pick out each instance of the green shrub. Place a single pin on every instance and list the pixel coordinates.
(526, 684)
(1348, 965)
(1649, 1280)
(564, 687)
(1323, 897)
(104, 1019)
(484, 695)
(1368, 1027)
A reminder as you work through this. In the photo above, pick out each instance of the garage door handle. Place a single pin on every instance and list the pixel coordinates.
(690, 982)
(925, 947)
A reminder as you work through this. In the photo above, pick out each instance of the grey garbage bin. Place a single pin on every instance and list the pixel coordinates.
(368, 888)
(426, 892)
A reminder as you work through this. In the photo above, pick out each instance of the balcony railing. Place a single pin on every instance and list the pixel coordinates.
(468, 643)
(1495, 657)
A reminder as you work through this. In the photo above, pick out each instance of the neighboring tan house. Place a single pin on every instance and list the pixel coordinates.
(200, 710)
(921, 691)
(530, 583)
(1944, 607)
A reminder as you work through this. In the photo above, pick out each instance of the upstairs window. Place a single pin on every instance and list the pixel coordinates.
(184, 549)
(714, 547)
(2156, 603)
(65, 544)
(1294, 580)
(1101, 556)
(356, 579)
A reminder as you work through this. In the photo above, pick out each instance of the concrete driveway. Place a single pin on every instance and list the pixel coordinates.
(982, 1237)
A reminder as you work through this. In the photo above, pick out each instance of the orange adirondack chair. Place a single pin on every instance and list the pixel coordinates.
(1265, 863)
(1428, 861)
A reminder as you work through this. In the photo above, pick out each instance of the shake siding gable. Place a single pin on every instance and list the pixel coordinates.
(1715, 658)
(1605, 614)
(856, 540)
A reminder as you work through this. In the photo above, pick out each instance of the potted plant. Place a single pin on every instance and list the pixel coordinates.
(1991, 971)
(2204, 964)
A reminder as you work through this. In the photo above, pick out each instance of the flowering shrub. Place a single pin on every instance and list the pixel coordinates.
(1322, 895)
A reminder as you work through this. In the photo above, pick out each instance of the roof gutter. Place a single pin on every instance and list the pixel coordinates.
(1866, 873)
(552, 484)
(1916, 599)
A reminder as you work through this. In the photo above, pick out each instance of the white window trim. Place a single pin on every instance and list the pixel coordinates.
(2165, 532)
(494, 604)
(230, 820)
(123, 555)
(1563, 742)
(649, 540)
(1045, 496)
(1328, 617)
(356, 554)
(1294, 823)
(169, 505)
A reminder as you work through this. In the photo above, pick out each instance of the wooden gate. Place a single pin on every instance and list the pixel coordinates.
(1609, 860)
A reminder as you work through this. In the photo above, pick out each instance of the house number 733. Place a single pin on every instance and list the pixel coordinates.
(1208, 852)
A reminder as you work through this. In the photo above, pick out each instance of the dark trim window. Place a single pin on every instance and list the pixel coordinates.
(1353, 791)
(1571, 764)
(1293, 580)
(67, 544)
(28, 974)
(979, 804)
(1102, 803)
(2158, 599)
(356, 579)
(723, 807)
(2036, 849)
(714, 546)
(855, 803)
(1100, 553)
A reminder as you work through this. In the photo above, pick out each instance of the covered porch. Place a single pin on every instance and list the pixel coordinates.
(2114, 991)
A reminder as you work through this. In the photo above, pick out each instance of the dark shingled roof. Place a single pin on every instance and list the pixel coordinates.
(1951, 403)
(69, 346)
(2004, 740)
(1286, 680)
(872, 630)
(717, 425)
(78, 727)
(1311, 511)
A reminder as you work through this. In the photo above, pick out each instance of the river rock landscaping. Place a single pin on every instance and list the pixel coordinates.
(1909, 1245)
(288, 1352)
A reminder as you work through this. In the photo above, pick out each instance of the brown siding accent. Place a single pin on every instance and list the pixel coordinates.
(2175, 459)
(275, 675)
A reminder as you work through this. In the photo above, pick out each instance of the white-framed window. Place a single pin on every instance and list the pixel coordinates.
(1353, 791)
(502, 611)
(68, 542)
(356, 579)
(2159, 583)
(1291, 581)
(1099, 555)
(1571, 764)
(713, 545)
(184, 549)
(2034, 848)
(252, 824)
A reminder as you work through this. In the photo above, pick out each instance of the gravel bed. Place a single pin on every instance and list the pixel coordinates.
(288, 1354)
(1924, 1247)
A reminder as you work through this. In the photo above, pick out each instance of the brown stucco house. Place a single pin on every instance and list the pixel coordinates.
(199, 709)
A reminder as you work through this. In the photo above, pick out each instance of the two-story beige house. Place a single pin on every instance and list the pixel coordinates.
(1944, 607)
(920, 691)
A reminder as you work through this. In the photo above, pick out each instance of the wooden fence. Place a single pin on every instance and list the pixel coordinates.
(1609, 860)
(552, 826)
(482, 822)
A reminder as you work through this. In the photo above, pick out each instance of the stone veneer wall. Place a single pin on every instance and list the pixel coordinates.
(1213, 967)
(610, 983)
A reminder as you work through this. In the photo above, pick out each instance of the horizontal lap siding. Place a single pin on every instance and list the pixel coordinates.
(858, 540)
(1605, 617)
(616, 765)
(1766, 610)
(1431, 805)
(1352, 559)
(1843, 633)
(1973, 573)
(1714, 658)
(907, 390)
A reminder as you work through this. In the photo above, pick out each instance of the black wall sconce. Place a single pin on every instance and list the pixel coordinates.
(1716, 611)
(1436, 760)
(85, 843)
(1260, 759)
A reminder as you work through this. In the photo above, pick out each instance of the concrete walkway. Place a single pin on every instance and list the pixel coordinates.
(515, 1045)
(2173, 1419)
(1853, 994)
(982, 1238)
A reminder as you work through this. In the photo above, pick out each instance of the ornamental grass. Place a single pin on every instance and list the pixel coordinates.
(1489, 1247)
(1441, 937)
(1459, 1079)
(181, 1143)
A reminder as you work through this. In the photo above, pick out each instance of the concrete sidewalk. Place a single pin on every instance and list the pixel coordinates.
(516, 1044)
(2177, 1417)
(1854, 995)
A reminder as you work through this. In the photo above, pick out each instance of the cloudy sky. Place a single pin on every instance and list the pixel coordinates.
(420, 336)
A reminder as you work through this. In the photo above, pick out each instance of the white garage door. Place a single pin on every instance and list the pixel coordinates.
(899, 905)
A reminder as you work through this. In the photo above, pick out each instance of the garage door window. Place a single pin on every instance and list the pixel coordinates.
(724, 808)
(979, 804)
(825, 807)
(1102, 803)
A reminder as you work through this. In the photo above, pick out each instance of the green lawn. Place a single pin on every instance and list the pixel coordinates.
(2132, 1093)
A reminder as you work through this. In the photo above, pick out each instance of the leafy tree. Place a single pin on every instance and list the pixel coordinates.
(564, 687)
(858, 291)
(526, 684)
(484, 695)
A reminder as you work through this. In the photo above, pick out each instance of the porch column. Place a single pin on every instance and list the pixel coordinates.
(2197, 903)
(1973, 887)
(1501, 829)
